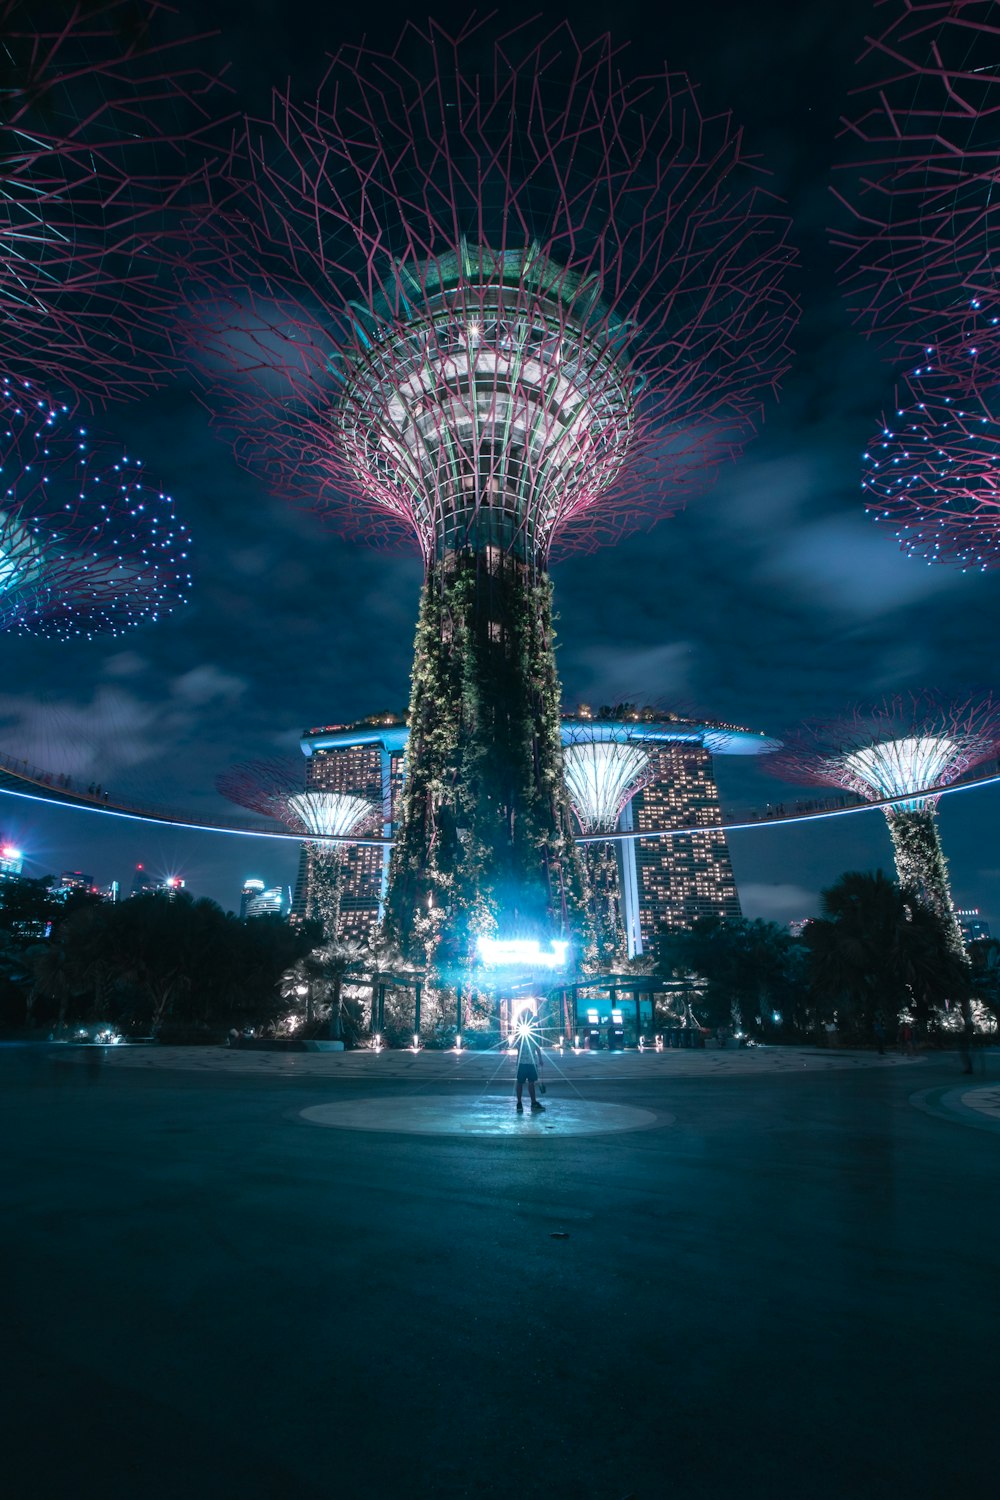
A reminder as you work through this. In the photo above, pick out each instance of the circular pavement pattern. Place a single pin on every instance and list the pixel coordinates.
(443, 1114)
(978, 1106)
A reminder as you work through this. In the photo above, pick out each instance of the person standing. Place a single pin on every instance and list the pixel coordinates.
(879, 1029)
(529, 1060)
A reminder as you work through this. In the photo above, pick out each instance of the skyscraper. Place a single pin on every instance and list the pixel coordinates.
(662, 882)
(143, 883)
(274, 902)
(664, 770)
(679, 879)
(251, 887)
(362, 760)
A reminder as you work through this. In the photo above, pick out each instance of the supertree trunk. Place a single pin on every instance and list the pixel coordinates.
(921, 865)
(485, 841)
(326, 889)
(600, 862)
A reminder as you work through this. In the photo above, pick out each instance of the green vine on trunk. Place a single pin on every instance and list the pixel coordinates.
(485, 842)
(921, 866)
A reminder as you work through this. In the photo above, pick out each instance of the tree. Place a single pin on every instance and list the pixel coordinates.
(984, 961)
(334, 962)
(751, 968)
(878, 949)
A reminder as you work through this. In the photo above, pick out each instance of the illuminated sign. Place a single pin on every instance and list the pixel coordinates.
(522, 952)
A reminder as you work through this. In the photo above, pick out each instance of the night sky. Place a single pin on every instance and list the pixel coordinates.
(771, 599)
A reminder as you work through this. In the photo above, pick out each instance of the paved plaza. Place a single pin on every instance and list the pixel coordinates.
(260, 1274)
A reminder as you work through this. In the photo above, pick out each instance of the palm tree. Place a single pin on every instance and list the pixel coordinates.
(334, 961)
(385, 961)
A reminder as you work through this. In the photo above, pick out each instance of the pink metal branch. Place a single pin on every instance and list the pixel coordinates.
(921, 174)
(265, 786)
(543, 220)
(932, 473)
(106, 124)
(950, 735)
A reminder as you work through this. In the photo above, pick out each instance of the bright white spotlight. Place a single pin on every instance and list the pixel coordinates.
(522, 953)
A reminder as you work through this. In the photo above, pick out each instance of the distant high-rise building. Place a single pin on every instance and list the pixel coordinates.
(972, 924)
(664, 883)
(275, 902)
(251, 887)
(690, 875)
(143, 883)
(73, 880)
(362, 760)
(11, 861)
(662, 764)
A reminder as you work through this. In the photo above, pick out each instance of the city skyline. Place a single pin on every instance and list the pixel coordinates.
(769, 600)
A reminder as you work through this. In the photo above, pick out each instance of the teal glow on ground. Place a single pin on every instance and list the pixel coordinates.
(782, 1287)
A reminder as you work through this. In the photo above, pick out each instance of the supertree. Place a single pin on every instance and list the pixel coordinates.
(106, 116)
(604, 764)
(932, 472)
(920, 182)
(497, 297)
(901, 748)
(88, 543)
(919, 265)
(275, 789)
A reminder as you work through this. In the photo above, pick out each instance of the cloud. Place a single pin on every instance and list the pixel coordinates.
(778, 903)
(125, 664)
(208, 684)
(848, 564)
(112, 732)
(643, 674)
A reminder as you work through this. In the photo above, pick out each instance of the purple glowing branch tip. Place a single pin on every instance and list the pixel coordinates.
(89, 544)
(931, 473)
(532, 288)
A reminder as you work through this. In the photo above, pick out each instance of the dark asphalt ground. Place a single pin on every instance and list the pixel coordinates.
(792, 1291)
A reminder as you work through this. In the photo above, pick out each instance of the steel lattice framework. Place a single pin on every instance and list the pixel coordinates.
(603, 771)
(932, 473)
(326, 819)
(274, 789)
(920, 181)
(936, 741)
(901, 747)
(106, 111)
(500, 292)
(88, 544)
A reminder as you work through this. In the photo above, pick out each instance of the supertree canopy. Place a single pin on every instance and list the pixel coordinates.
(601, 775)
(274, 788)
(921, 173)
(920, 267)
(105, 107)
(933, 473)
(902, 748)
(497, 298)
(605, 764)
(88, 543)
